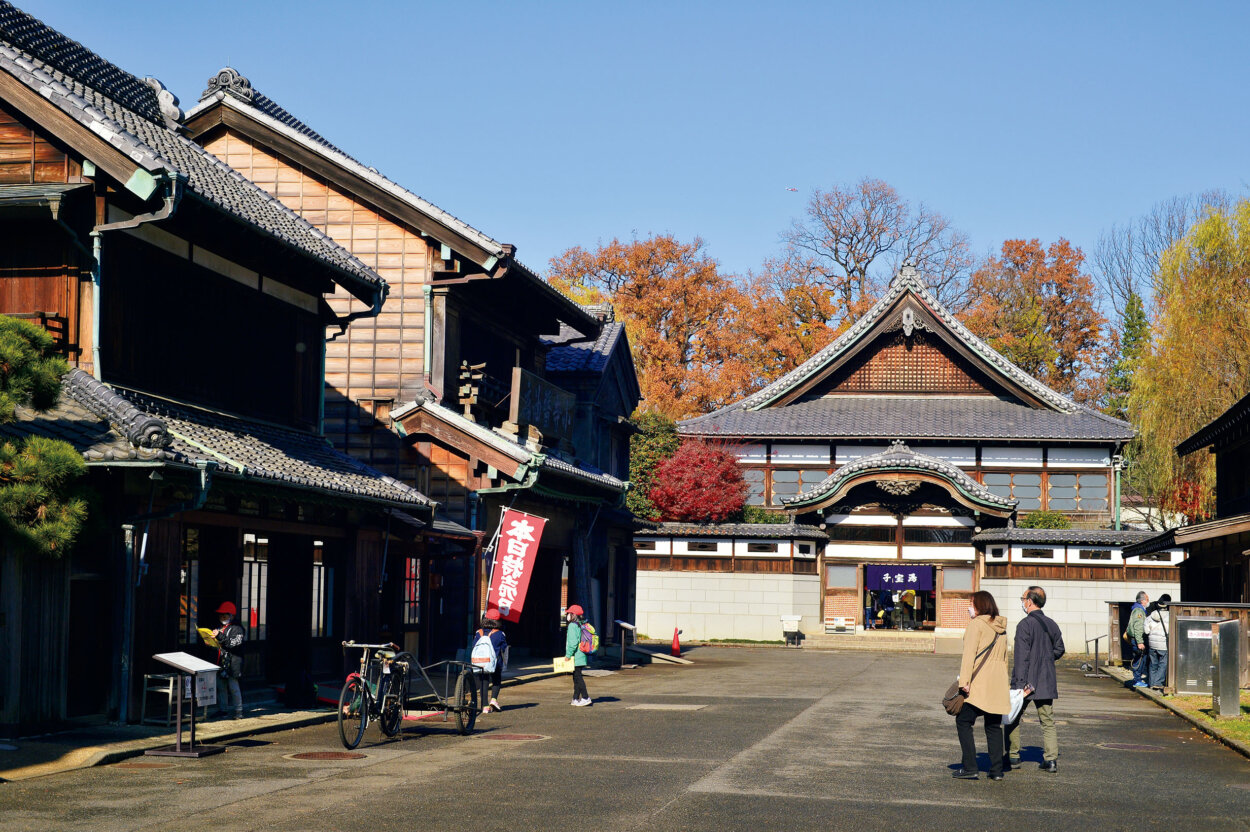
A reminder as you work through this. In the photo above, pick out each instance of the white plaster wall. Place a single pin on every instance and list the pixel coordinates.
(705, 605)
(1078, 607)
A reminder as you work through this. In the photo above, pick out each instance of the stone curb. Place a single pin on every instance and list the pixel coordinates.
(1211, 729)
(103, 755)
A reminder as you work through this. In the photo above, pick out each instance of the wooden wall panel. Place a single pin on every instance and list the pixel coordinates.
(906, 365)
(375, 360)
(27, 157)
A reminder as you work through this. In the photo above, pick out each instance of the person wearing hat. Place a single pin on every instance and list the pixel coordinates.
(229, 639)
(1156, 632)
(576, 617)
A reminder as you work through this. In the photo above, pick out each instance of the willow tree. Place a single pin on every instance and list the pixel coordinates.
(1196, 364)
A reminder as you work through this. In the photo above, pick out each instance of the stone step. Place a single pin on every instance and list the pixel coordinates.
(909, 643)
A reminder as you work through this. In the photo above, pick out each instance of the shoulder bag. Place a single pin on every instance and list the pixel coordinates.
(953, 701)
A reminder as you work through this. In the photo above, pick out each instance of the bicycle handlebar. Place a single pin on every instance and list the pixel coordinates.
(353, 645)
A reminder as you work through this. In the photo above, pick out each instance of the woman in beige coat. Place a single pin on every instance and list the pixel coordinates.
(985, 690)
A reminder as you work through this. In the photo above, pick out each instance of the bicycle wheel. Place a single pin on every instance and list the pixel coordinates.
(395, 705)
(353, 712)
(466, 700)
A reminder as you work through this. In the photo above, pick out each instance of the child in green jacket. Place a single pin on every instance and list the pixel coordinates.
(576, 617)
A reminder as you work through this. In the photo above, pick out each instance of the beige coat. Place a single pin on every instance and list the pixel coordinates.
(989, 688)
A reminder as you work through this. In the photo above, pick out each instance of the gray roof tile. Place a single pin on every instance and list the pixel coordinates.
(766, 531)
(863, 417)
(1058, 537)
(571, 353)
(113, 104)
(113, 425)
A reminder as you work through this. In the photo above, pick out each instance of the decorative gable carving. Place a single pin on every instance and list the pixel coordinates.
(897, 363)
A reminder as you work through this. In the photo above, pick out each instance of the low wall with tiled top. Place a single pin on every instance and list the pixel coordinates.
(1078, 607)
(707, 605)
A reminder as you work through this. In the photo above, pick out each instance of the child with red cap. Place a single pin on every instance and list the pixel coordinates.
(229, 639)
(576, 617)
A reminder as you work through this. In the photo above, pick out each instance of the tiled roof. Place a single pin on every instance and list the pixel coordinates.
(770, 531)
(549, 461)
(899, 458)
(574, 354)
(739, 418)
(233, 90)
(868, 417)
(1230, 422)
(70, 57)
(112, 425)
(1058, 537)
(101, 97)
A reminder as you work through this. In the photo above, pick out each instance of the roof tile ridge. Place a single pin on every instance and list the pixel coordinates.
(35, 67)
(366, 170)
(140, 429)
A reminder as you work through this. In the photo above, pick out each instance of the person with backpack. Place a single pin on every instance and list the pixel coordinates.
(1156, 632)
(230, 638)
(1039, 644)
(573, 648)
(487, 656)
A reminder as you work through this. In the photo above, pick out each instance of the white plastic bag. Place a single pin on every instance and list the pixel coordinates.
(1017, 705)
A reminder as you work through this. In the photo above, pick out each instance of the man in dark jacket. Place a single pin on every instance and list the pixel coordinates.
(1039, 644)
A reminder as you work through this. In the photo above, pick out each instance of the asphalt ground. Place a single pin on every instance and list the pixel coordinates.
(758, 739)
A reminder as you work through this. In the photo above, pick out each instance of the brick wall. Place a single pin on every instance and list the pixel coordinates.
(843, 605)
(954, 612)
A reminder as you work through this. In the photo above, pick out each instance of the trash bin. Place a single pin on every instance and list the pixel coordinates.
(790, 629)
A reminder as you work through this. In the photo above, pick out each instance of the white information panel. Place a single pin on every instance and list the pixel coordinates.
(186, 662)
(205, 675)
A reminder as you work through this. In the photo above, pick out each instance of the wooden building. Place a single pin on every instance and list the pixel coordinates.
(1217, 569)
(455, 370)
(908, 439)
(191, 304)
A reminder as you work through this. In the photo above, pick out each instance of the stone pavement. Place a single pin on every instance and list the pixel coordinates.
(101, 743)
(1124, 675)
(759, 739)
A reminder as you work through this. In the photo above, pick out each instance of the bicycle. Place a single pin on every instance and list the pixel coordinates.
(379, 691)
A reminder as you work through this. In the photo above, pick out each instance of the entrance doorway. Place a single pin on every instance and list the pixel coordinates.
(900, 596)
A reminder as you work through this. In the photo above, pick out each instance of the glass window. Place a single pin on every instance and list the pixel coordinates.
(1094, 554)
(762, 548)
(957, 579)
(700, 546)
(755, 479)
(322, 592)
(1038, 554)
(941, 534)
(861, 534)
(1078, 492)
(841, 575)
(644, 545)
(412, 591)
(188, 602)
(252, 613)
(782, 475)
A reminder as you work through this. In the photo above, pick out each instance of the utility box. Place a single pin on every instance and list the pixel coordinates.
(1225, 651)
(1193, 654)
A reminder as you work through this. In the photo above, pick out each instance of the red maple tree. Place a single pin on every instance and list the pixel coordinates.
(701, 483)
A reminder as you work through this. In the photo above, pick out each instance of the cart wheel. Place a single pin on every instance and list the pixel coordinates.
(353, 712)
(395, 706)
(466, 700)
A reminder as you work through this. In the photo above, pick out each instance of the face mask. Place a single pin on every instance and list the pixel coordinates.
(1024, 606)
(972, 612)
(225, 619)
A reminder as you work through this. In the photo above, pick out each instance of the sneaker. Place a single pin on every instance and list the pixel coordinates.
(1140, 685)
(581, 703)
(494, 705)
(486, 710)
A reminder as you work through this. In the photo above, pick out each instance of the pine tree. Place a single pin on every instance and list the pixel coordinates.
(38, 510)
(1133, 338)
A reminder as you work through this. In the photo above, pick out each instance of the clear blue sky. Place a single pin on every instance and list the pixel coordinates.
(548, 125)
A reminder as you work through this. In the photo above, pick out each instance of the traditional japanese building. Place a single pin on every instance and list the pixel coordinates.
(916, 446)
(477, 381)
(191, 304)
(1217, 569)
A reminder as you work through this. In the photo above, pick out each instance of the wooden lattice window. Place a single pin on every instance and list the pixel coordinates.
(909, 365)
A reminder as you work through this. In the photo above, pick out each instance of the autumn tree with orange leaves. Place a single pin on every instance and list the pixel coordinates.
(1036, 306)
(685, 319)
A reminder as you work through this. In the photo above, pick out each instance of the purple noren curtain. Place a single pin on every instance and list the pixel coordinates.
(900, 576)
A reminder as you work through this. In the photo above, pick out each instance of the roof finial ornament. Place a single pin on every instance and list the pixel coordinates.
(167, 101)
(908, 271)
(228, 80)
(898, 446)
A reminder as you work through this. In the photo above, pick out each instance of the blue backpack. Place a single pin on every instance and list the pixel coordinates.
(483, 657)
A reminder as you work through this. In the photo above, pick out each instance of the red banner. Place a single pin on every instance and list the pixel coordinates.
(519, 534)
